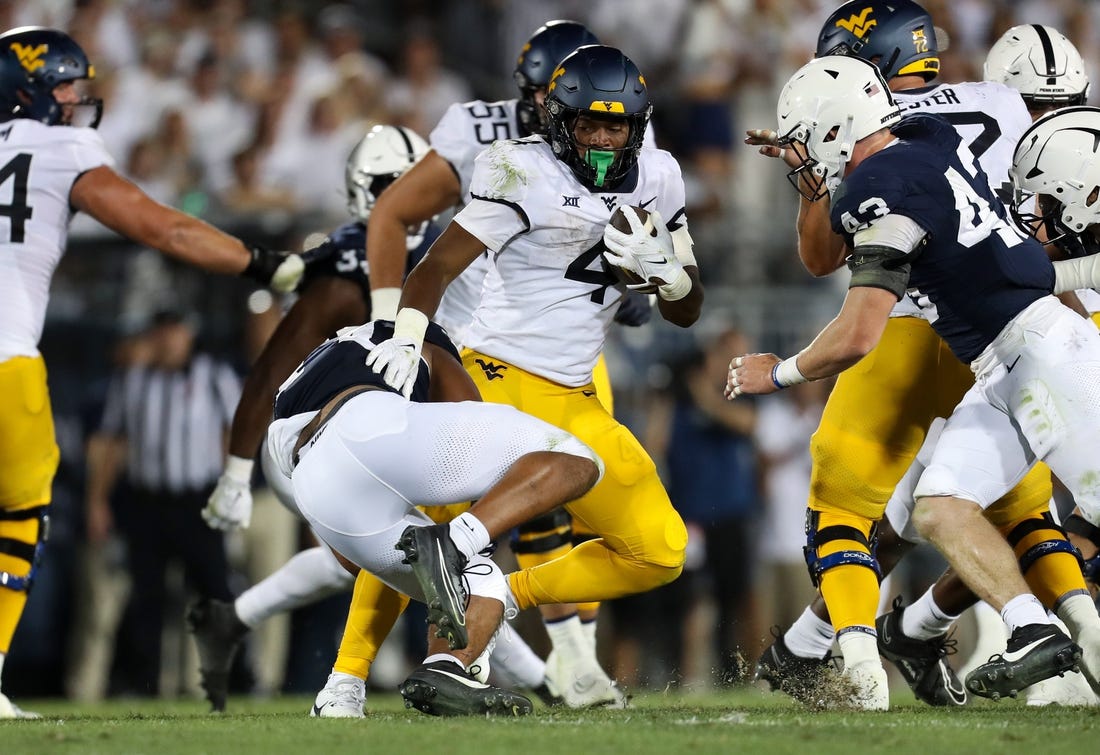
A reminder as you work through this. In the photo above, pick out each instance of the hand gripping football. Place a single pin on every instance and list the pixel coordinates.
(619, 222)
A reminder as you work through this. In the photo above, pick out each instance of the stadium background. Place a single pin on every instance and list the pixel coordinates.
(243, 113)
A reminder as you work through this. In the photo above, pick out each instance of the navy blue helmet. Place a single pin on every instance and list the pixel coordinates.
(896, 35)
(536, 63)
(33, 61)
(601, 82)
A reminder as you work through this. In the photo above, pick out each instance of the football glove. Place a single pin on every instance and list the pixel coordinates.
(279, 271)
(229, 506)
(397, 359)
(634, 310)
(651, 258)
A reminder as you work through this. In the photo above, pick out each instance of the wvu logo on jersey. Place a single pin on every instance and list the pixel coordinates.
(858, 24)
(610, 202)
(30, 57)
(492, 371)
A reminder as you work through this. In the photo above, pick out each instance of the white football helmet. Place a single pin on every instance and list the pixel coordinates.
(376, 161)
(1058, 160)
(828, 105)
(1040, 63)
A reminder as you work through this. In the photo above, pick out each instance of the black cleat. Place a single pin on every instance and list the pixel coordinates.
(789, 673)
(218, 634)
(921, 662)
(438, 566)
(1035, 652)
(542, 692)
(444, 688)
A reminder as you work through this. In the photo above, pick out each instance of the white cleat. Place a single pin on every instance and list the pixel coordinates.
(1088, 639)
(1072, 689)
(8, 709)
(870, 688)
(581, 683)
(343, 696)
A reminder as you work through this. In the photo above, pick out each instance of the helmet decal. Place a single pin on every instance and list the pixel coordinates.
(30, 57)
(858, 24)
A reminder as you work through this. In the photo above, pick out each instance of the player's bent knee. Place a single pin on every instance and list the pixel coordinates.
(544, 534)
(23, 534)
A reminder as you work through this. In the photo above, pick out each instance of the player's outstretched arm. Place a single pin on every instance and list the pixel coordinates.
(422, 192)
(126, 209)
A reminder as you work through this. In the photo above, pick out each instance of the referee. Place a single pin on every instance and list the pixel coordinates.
(165, 423)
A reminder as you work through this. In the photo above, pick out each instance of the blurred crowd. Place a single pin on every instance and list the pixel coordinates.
(245, 112)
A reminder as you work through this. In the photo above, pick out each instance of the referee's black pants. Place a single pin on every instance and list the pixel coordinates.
(159, 527)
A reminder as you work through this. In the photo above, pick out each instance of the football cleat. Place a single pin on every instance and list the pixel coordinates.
(9, 710)
(218, 634)
(438, 566)
(791, 674)
(1035, 652)
(580, 682)
(921, 662)
(444, 688)
(343, 696)
(1071, 690)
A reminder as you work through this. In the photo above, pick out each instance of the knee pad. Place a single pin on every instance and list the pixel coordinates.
(19, 548)
(1054, 540)
(544, 534)
(815, 538)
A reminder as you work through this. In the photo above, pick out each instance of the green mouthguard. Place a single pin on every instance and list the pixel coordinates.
(601, 160)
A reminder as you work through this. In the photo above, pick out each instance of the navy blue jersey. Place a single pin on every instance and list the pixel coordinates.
(340, 363)
(975, 271)
(347, 256)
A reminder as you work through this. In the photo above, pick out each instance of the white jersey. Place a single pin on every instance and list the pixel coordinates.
(38, 165)
(462, 133)
(989, 117)
(548, 302)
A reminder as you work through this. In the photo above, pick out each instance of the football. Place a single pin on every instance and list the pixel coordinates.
(619, 222)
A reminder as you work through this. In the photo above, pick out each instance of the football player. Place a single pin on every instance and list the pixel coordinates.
(989, 288)
(541, 207)
(335, 294)
(51, 167)
(356, 454)
(876, 416)
(442, 181)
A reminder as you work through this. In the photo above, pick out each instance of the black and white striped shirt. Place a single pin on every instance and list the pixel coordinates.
(174, 422)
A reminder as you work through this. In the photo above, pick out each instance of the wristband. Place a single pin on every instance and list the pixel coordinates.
(384, 302)
(786, 374)
(411, 324)
(238, 469)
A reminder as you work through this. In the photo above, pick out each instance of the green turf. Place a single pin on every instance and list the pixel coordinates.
(747, 721)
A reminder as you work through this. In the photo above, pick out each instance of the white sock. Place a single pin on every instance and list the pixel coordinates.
(809, 636)
(1023, 610)
(858, 646)
(567, 636)
(589, 628)
(1078, 612)
(924, 619)
(514, 658)
(307, 577)
(469, 534)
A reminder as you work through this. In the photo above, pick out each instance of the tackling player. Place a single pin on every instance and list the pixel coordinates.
(542, 207)
(51, 167)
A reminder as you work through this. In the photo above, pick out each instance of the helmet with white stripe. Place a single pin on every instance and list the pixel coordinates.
(1041, 64)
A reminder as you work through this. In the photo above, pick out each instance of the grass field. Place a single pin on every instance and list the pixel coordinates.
(746, 721)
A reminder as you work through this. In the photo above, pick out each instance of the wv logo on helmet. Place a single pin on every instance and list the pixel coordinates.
(859, 24)
(30, 57)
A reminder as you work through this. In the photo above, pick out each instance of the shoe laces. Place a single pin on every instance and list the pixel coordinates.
(944, 645)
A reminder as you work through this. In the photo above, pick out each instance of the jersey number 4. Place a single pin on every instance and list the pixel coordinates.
(17, 211)
(579, 270)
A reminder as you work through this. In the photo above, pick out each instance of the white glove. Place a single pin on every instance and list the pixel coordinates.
(398, 359)
(229, 506)
(288, 274)
(652, 258)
